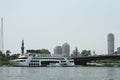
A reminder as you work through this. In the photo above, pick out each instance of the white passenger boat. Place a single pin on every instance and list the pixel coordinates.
(39, 60)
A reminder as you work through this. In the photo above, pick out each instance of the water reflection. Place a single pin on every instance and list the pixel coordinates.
(111, 73)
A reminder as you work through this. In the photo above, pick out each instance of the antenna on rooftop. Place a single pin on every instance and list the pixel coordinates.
(2, 36)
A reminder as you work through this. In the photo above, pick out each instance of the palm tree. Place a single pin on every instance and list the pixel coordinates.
(8, 54)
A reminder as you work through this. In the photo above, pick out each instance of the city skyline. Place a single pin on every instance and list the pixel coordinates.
(63, 50)
(46, 24)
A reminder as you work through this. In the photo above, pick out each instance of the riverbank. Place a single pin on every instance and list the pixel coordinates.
(104, 64)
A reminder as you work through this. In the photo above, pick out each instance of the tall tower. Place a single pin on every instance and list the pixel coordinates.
(2, 37)
(110, 39)
(75, 52)
(22, 48)
(66, 49)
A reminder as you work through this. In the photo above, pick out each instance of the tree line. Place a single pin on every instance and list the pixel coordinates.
(39, 51)
(83, 53)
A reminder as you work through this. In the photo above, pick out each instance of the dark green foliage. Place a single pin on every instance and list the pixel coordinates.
(86, 53)
(41, 51)
(46, 51)
(8, 54)
(107, 61)
(3, 59)
(14, 56)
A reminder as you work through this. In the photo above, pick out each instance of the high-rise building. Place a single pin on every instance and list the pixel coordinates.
(118, 50)
(58, 50)
(66, 49)
(110, 39)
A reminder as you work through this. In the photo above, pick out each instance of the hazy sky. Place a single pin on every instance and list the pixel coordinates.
(48, 23)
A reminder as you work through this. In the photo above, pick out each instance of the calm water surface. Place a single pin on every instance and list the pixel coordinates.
(59, 73)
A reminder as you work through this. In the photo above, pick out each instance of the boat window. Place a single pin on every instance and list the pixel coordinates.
(23, 58)
(34, 61)
(63, 61)
(21, 61)
(69, 58)
(33, 64)
(71, 61)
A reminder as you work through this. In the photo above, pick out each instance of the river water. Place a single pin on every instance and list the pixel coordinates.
(59, 73)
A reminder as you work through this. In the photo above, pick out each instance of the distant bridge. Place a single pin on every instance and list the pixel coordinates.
(84, 60)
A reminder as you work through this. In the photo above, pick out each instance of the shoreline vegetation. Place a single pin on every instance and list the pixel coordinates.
(105, 63)
(4, 61)
(5, 57)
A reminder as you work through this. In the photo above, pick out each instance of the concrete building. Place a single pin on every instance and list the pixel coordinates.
(66, 49)
(118, 50)
(58, 50)
(110, 40)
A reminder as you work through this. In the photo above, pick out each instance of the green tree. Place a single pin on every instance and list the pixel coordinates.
(8, 54)
(86, 53)
(14, 56)
(3, 59)
(46, 51)
(39, 51)
(0, 52)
